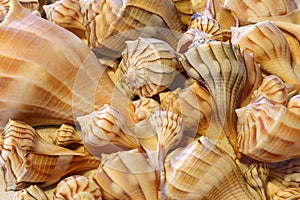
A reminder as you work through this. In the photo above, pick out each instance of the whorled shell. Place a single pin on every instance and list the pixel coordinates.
(77, 187)
(65, 135)
(31, 5)
(126, 175)
(287, 173)
(206, 24)
(144, 108)
(106, 131)
(268, 132)
(274, 89)
(105, 19)
(67, 14)
(269, 48)
(243, 10)
(31, 193)
(148, 67)
(26, 159)
(185, 10)
(257, 177)
(56, 80)
(203, 171)
(193, 104)
(292, 193)
(219, 66)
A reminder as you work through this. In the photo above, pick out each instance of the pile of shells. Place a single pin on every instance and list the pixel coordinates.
(160, 99)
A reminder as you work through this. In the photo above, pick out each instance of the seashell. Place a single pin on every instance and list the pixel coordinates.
(144, 108)
(67, 14)
(294, 104)
(256, 176)
(185, 10)
(191, 38)
(31, 193)
(292, 193)
(220, 67)
(131, 19)
(294, 47)
(215, 9)
(26, 159)
(193, 104)
(71, 76)
(65, 135)
(253, 80)
(126, 175)
(287, 172)
(274, 89)
(198, 5)
(77, 187)
(244, 10)
(105, 131)
(203, 171)
(268, 132)
(275, 55)
(149, 67)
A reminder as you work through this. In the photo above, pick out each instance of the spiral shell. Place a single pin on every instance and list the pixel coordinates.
(31, 193)
(269, 48)
(105, 130)
(292, 193)
(243, 10)
(77, 187)
(65, 135)
(144, 108)
(126, 175)
(149, 66)
(67, 14)
(268, 132)
(203, 171)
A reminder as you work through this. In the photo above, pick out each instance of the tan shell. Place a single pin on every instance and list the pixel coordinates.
(243, 9)
(144, 108)
(31, 193)
(292, 193)
(269, 47)
(274, 89)
(106, 131)
(287, 173)
(219, 66)
(256, 176)
(67, 14)
(65, 135)
(105, 19)
(126, 175)
(203, 171)
(71, 75)
(34, 161)
(31, 5)
(268, 132)
(148, 66)
(193, 104)
(185, 10)
(294, 104)
(198, 5)
(77, 187)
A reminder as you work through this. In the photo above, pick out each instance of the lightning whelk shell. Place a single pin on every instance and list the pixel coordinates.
(292, 193)
(256, 176)
(144, 108)
(67, 14)
(219, 66)
(27, 160)
(268, 132)
(243, 10)
(31, 193)
(71, 76)
(203, 171)
(107, 18)
(126, 175)
(193, 104)
(77, 187)
(106, 131)
(269, 47)
(148, 66)
(65, 135)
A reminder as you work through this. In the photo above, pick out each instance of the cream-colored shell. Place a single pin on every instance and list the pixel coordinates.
(31, 193)
(65, 135)
(77, 187)
(292, 193)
